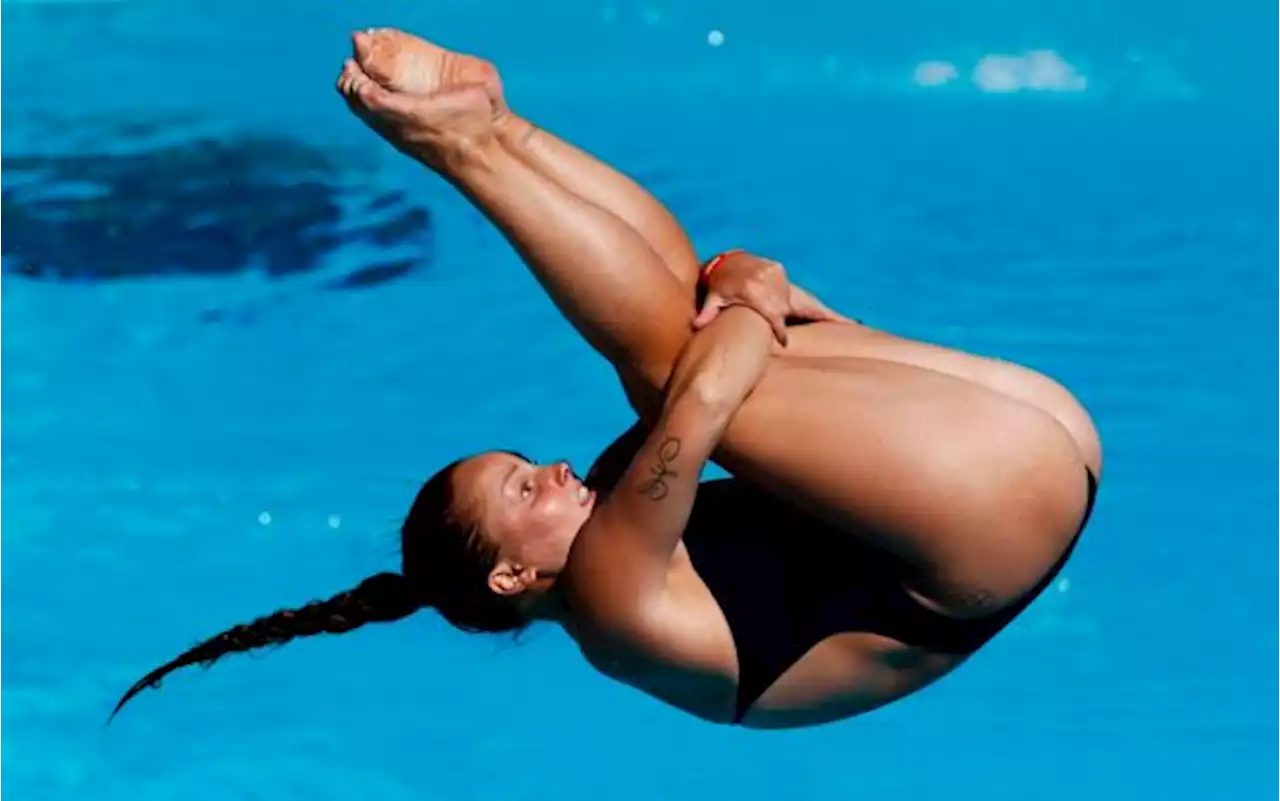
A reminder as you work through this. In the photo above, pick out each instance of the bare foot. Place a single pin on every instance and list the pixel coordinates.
(403, 62)
(441, 129)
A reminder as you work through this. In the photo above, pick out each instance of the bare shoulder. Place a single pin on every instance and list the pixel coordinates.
(680, 652)
(673, 645)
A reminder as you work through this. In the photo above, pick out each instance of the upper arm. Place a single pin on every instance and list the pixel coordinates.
(619, 563)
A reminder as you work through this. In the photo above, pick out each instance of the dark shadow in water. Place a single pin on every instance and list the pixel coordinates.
(210, 206)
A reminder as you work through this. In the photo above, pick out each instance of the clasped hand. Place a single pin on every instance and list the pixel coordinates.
(742, 279)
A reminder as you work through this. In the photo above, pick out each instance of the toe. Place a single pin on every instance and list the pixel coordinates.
(347, 78)
(362, 43)
(377, 53)
(365, 91)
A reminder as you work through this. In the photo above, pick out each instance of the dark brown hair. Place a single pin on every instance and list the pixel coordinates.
(445, 564)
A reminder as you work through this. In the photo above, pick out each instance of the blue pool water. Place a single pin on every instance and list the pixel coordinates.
(303, 325)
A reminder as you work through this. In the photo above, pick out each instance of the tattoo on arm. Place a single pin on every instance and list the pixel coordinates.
(655, 488)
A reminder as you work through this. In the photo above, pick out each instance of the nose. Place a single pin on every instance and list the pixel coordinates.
(562, 473)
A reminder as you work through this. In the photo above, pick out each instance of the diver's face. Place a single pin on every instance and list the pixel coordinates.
(531, 512)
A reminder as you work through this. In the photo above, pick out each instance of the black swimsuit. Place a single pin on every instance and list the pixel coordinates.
(785, 583)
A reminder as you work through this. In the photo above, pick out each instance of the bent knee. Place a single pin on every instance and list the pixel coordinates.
(1053, 399)
(1080, 426)
(1072, 416)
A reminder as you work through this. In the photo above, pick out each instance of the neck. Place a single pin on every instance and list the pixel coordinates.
(544, 600)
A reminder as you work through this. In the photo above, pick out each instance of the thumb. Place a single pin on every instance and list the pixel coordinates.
(711, 307)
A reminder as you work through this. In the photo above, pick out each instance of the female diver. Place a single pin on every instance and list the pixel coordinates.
(893, 504)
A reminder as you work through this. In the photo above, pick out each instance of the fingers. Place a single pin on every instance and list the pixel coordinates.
(711, 307)
(773, 308)
(807, 307)
(778, 321)
(767, 295)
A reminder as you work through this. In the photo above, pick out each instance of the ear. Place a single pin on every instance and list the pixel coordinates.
(508, 578)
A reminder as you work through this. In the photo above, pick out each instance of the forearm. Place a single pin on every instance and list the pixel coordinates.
(713, 376)
(719, 367)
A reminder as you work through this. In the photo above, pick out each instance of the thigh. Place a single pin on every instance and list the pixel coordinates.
(977, 492)
(838, 341)
(834, 340)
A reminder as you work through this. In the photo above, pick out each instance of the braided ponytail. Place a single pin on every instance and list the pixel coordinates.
(380, 598)
(442, 551)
